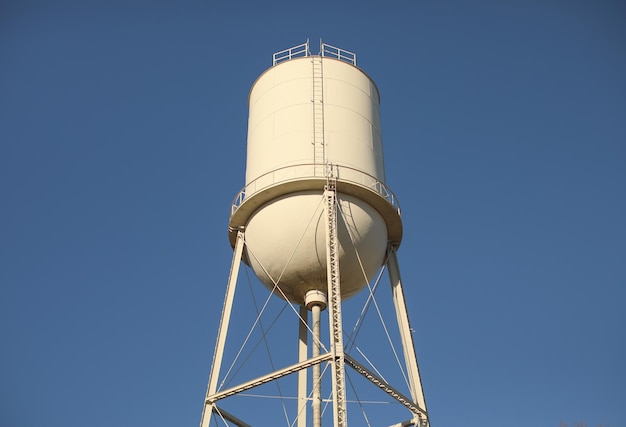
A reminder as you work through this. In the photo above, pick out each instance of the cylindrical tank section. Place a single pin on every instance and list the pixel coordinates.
(282, 124)
(311, 117)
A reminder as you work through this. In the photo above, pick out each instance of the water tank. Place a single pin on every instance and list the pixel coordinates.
(311, 118)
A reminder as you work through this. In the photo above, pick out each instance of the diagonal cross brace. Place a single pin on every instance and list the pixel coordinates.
(383, 385)
(269, 377)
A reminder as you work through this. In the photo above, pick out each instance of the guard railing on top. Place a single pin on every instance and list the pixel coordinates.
(292, 52)
(326, 50)
(304, 171)
(338, 53)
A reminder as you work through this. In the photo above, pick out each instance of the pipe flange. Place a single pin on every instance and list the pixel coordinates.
(315, 297)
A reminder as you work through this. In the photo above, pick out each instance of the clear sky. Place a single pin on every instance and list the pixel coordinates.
(122, 145)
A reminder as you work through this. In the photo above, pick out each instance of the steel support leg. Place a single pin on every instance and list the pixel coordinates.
(303, 335)
(408, 346)
(207, 409)
(334, 306)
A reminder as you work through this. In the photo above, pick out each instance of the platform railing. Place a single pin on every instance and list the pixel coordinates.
(308, 171)
(326, 50)
(293, 52)
(338, 53)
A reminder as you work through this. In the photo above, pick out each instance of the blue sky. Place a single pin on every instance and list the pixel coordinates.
(122, 145)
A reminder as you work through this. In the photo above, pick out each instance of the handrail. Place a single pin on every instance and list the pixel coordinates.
(293, 52)
(338, 53)
(326, 50)
(308, 171)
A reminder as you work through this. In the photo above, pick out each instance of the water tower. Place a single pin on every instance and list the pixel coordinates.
(316, 222)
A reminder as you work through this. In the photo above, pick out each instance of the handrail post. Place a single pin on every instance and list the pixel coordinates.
(303, 171)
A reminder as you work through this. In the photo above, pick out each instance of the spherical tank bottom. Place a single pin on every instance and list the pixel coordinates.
(286, 244)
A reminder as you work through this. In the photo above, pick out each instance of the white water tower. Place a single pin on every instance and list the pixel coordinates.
(315, 222)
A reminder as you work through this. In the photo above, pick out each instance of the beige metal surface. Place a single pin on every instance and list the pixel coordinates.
(222, 332)
(286, 243)
(311, 117)
(408, 346)
(281, 126)
(303, 339)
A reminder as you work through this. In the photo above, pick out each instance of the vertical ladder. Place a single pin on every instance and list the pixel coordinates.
(319, 155)
(334, 304)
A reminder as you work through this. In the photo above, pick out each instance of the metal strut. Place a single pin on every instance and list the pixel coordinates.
(387, 388)
(334, 304)
(210, 400)
(408, 346)
(209, 405)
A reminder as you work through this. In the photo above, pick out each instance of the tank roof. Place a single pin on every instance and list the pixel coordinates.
(303, 51)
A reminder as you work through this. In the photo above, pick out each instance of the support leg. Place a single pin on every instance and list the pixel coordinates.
(207, 409)
(408, 347)
(303, 335)
(334, 306)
